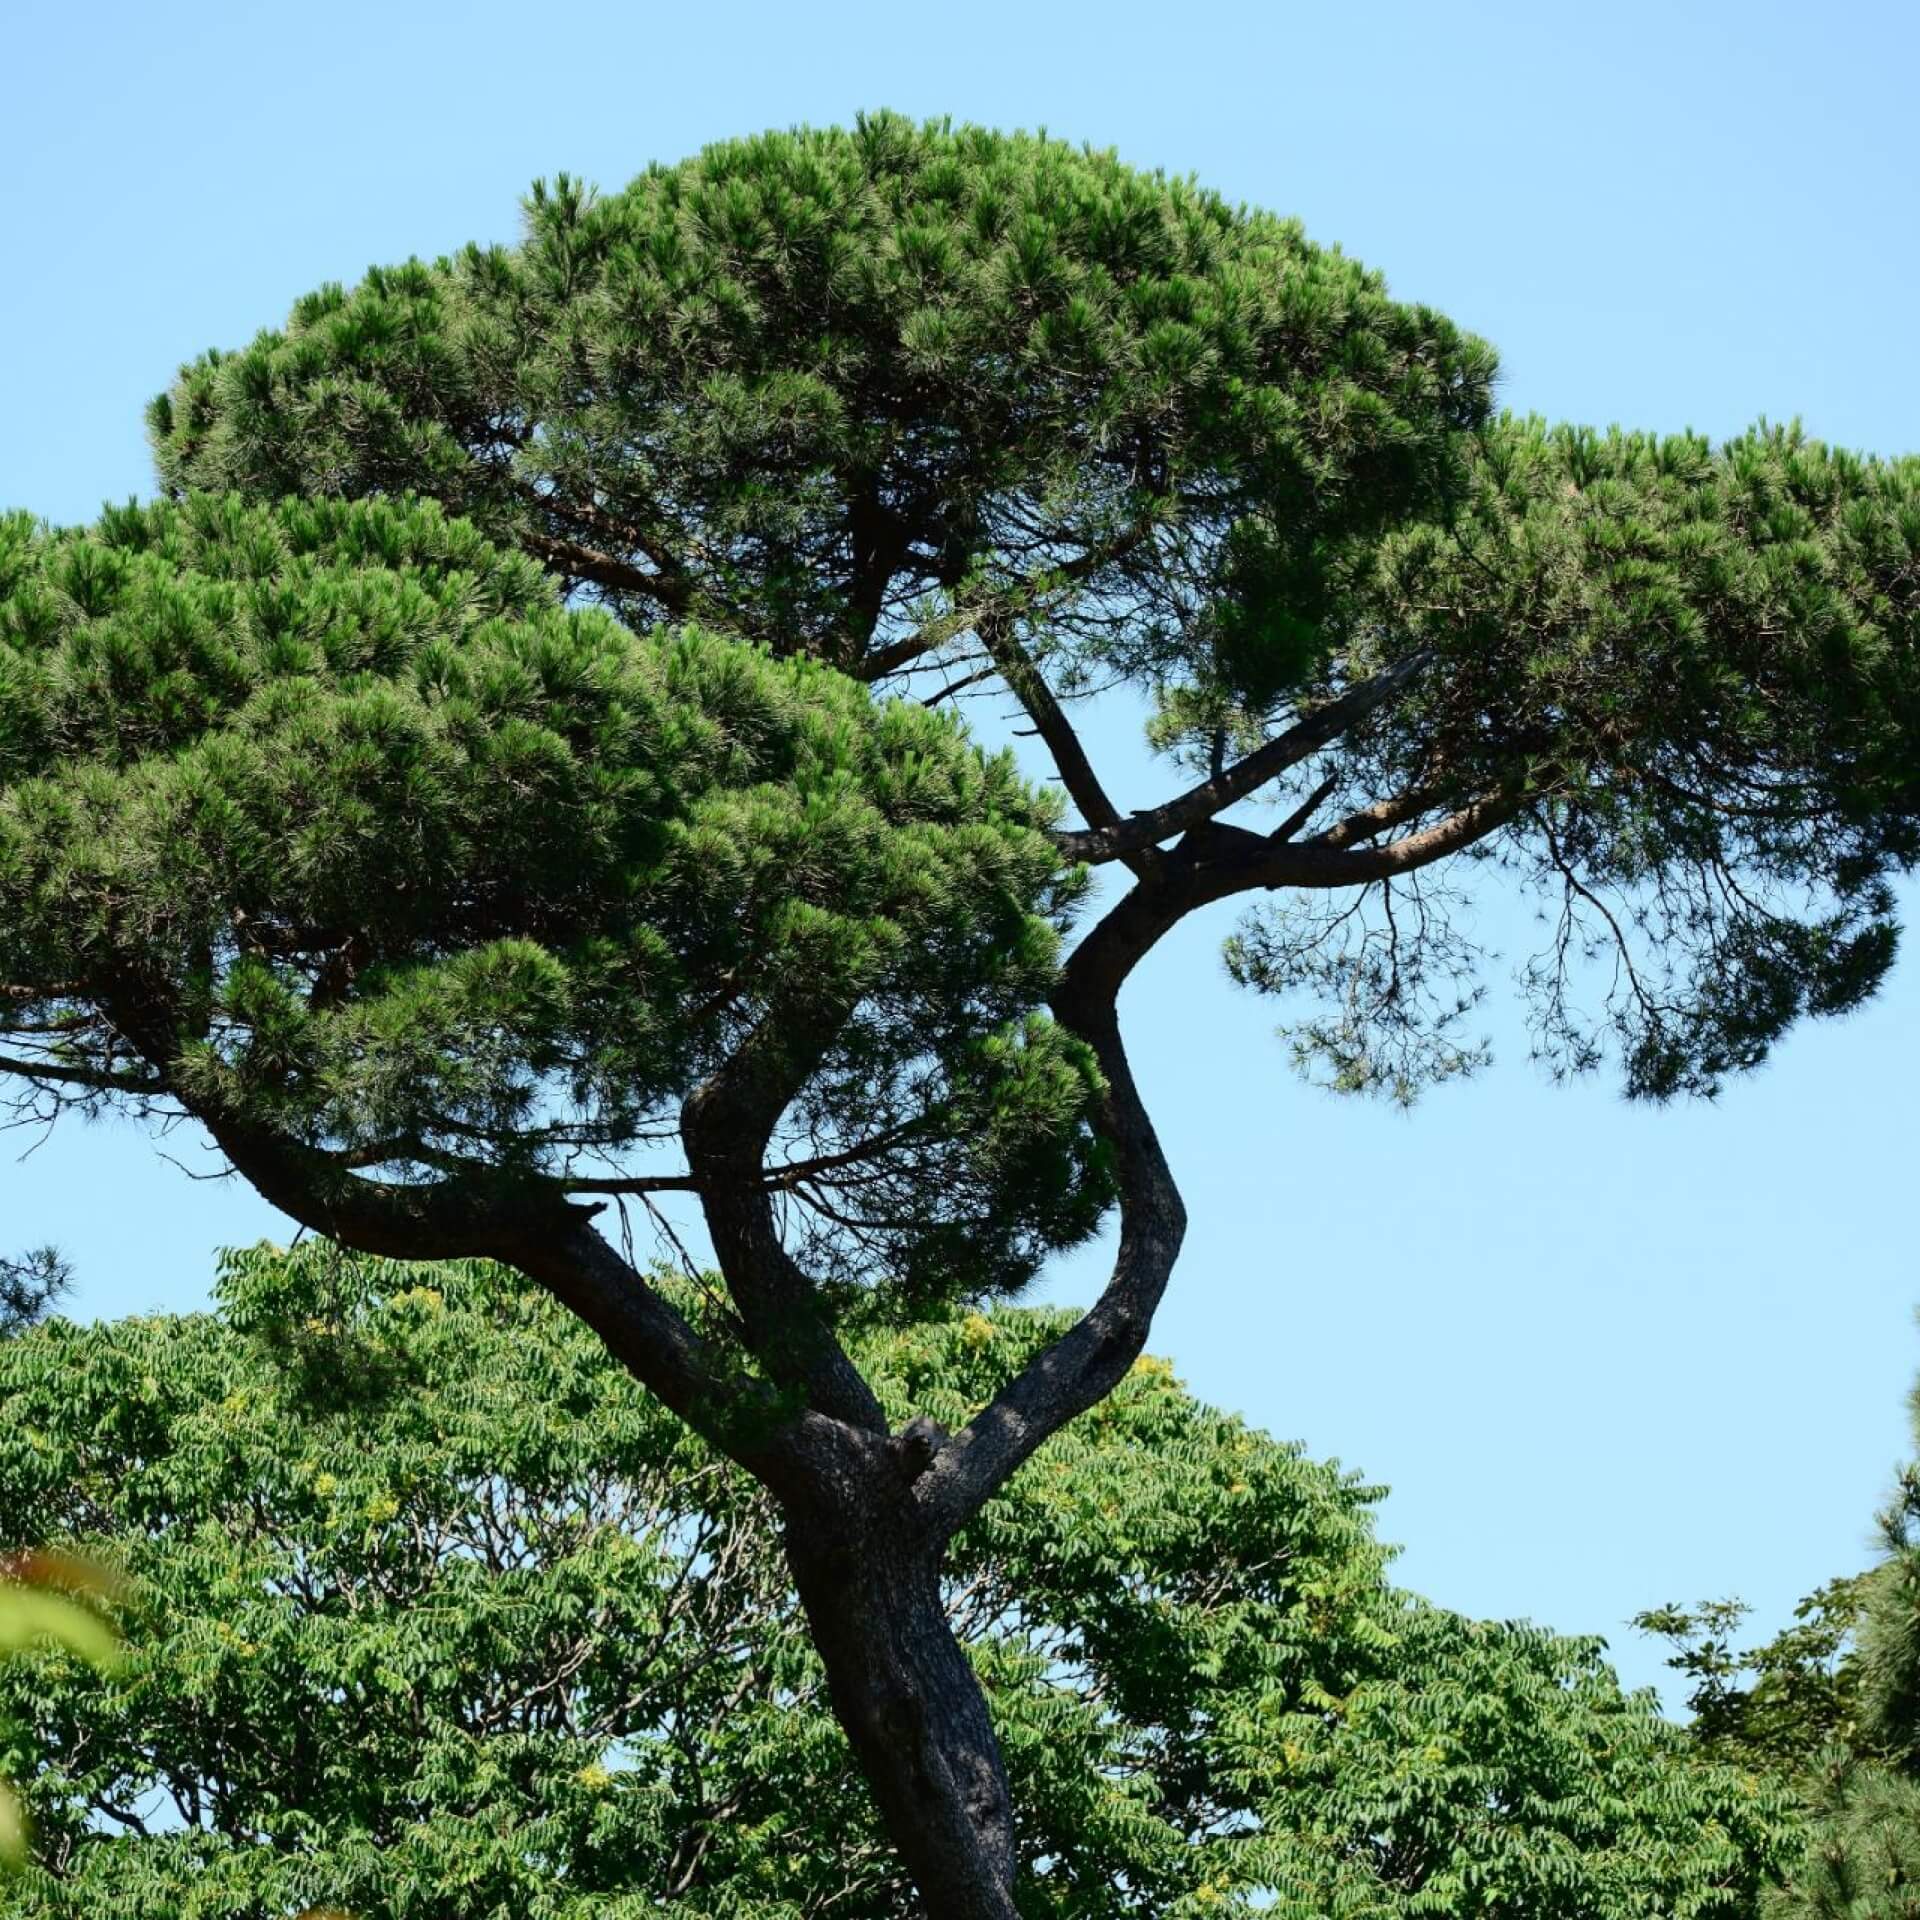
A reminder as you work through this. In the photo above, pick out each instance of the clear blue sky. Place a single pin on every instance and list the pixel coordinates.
(1605, 1357)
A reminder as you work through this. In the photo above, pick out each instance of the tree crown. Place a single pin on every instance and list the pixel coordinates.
(967, 408)
(326, 821)
(806, 383)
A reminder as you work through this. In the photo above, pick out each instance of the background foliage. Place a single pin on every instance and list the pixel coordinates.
(433, 1611)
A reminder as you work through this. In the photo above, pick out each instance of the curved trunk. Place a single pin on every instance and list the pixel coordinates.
(906, 1695)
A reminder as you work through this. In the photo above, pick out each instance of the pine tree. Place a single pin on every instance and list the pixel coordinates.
(29, 1285)
(324, 823)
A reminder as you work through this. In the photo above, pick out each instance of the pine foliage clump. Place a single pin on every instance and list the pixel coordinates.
(801, 383)
(405, 869)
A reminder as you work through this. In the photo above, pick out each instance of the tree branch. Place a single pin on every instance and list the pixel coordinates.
(1089, 1359)
(1001, 600)
(531, 1227)
(95, 1080)
(607, 570)
(743, 1417)
(725, 1125)
(1030, 688)
(1307, 808)
(1367, 823)
(782, 1177)
(1212, 796)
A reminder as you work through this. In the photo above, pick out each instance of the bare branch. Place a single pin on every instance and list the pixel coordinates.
(94, 1079)
(1246, 776)
(725, 1125)
(606, 569)
(783, 1176)
(1030, 688)
(1088, 1360)
(633, 1184)
(1307, 808)
(1000, 601)
(1091, 1358)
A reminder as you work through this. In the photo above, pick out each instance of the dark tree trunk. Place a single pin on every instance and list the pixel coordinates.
(906, 1696)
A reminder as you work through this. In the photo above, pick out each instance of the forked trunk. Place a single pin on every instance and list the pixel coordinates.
(906, 1695)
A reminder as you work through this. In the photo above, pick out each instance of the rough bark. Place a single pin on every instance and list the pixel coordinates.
(906, 1695)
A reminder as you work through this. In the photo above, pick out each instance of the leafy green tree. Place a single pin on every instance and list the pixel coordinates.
(434, 1610)
(1779, 1705)
(446, 911)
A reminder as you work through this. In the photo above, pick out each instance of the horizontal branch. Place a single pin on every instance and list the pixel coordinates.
(781, 1177)
(1327, 863)
(1214, 862)
(1368, 823)
(631, 1184)
(530, 1226)
(95, 1080)
(606, 569)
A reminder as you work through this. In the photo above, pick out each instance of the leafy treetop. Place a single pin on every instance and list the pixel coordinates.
(800, 385)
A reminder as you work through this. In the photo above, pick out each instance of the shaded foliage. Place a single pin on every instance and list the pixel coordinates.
(1698, 662)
